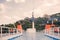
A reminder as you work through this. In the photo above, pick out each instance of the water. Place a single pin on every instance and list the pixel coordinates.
(33, 36)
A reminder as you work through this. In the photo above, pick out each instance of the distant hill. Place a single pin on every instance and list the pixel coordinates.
(55, 16)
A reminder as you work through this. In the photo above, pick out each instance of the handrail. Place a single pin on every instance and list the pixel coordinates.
(7, 31)
(53, 31)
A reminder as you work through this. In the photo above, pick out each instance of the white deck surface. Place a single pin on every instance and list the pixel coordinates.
(9, 36)
(54, 35)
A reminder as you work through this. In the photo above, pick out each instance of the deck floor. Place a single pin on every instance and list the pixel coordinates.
(7, 36)
(53, 34)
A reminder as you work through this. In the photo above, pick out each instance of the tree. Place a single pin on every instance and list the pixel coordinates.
(9, 25)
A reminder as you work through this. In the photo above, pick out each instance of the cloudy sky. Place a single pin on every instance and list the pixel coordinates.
(13, 10)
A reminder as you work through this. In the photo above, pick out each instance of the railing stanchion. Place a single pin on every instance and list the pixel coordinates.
(53, 31)
(1, 32)
(9, 31)
(58, 31)
(45, 31)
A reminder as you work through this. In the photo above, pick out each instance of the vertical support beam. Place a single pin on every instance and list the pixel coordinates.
(17, 30)
(58, 31)
(1, 32)
(9, 31)
(47, 22)
(53, 28)
(45, 31)
(52, 22)
(13, 30)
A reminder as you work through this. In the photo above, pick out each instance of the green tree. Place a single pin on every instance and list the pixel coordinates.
(10, 25)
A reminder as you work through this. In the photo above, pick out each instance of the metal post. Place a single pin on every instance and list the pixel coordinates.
(45, 31)
(9, 31)
(50, 31)
(53, 28)
(47, 22)
(13, 31)
(1, 31)
(52, 22)
(17, 30)
(58, 31)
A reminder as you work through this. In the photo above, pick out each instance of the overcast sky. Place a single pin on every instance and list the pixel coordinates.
(13, 10)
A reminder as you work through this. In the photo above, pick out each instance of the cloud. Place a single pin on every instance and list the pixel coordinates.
(7, 17)
(19, 1)
(4, 19)
(16, 17)
(16, 1)
(19, 9)
(37, 10)
(8, 0)
(50, 2)
(55, 1)
(2, 8)
(2, 1)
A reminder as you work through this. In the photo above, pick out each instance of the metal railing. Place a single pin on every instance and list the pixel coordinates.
(53, 31)
(4, 31)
